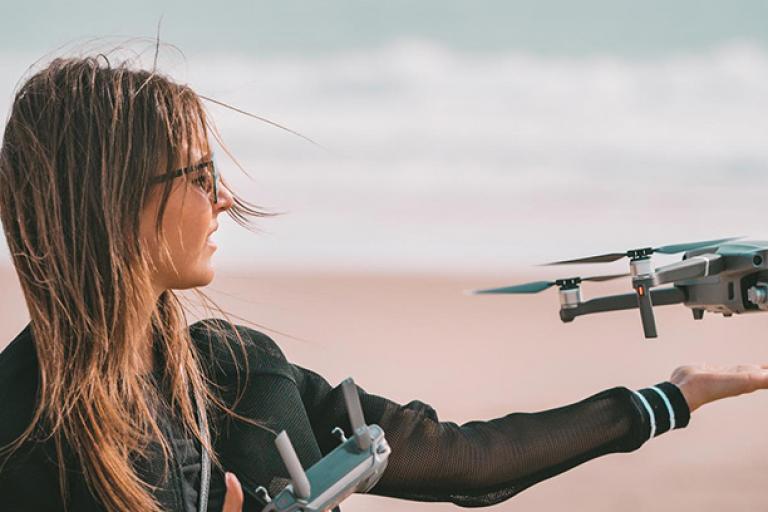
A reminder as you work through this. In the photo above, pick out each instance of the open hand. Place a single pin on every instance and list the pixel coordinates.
(233, 500)
(704, 383)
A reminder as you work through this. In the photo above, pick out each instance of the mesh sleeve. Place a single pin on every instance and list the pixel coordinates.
(479, 463)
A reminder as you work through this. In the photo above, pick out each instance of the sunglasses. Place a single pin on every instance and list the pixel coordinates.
(207, 178)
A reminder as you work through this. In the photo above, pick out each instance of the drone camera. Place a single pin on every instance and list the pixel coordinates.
(758, 295)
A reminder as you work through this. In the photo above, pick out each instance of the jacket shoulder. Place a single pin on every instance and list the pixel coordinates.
(18, 385)
(226, 347)
(19, 353)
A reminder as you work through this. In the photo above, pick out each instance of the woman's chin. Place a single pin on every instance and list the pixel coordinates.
(201, 278)
(206, 272)
(194, 276)
(207, 276)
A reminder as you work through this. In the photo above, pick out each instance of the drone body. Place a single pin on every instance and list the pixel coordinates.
(719, 276)
(741, 286)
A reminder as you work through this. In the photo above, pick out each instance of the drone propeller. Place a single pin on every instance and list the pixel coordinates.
(540, 286)
(635, 253)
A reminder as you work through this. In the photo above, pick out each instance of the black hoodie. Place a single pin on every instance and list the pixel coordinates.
(479, 463)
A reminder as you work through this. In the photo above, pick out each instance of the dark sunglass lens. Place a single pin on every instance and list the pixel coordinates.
(215, 184)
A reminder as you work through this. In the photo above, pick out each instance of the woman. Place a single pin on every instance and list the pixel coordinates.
(108, 195)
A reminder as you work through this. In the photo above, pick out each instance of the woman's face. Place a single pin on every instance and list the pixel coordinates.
(190, 218)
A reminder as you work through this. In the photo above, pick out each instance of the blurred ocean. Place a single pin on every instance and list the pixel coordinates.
(463, 136)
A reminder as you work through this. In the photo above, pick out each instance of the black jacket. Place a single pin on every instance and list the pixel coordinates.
(479, 463)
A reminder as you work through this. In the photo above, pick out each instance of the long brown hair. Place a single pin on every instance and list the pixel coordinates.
(82, 142)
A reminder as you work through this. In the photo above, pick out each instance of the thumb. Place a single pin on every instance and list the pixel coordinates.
(233, 501)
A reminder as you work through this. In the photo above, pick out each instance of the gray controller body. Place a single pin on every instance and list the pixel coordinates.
(355, 466)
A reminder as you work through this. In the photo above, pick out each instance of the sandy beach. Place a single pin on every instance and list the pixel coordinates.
(409, 336)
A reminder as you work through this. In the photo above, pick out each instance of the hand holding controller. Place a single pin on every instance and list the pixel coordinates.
(353, 466)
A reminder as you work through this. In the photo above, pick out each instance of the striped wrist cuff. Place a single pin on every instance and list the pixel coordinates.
(664, 408)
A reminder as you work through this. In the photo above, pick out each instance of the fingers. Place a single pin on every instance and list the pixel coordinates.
(760, 378)
(755, 375)
(233, 501)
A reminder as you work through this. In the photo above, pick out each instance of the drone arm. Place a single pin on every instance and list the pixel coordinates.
(659, 297)
(702, 265)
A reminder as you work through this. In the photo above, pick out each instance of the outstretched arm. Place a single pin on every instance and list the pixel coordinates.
(482, 463)
(485, 462)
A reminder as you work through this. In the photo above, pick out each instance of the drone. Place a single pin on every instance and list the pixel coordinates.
(720, 276)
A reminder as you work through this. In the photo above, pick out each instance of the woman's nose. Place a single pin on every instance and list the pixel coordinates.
(225, 199)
